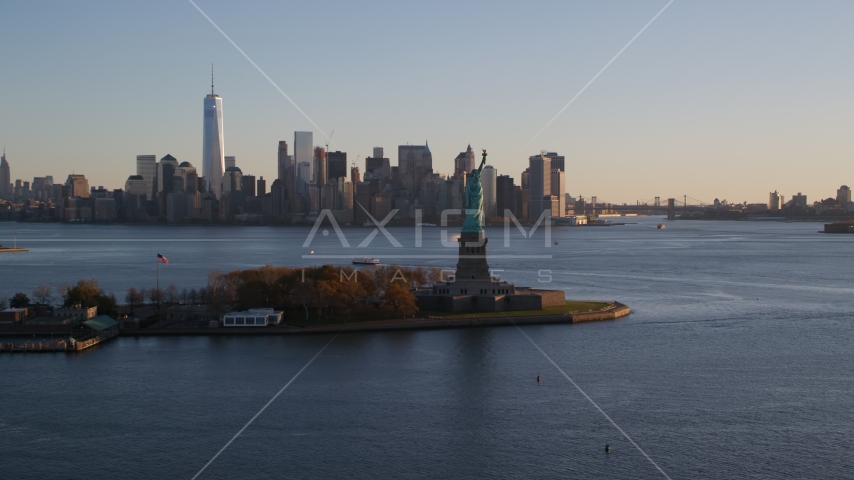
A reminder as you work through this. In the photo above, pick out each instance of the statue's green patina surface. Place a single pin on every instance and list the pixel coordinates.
(474, 201)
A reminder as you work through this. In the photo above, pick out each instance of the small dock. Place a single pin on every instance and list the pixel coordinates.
(30, 346)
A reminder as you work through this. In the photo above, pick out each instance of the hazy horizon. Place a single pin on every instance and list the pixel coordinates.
(714, 100)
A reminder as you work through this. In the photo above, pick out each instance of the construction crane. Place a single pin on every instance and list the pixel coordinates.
(354, 165)
(329, 139)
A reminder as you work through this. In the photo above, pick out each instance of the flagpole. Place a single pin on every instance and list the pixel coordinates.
(157, 261)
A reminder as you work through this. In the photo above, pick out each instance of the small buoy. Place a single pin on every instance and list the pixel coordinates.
(607, 448)
(311, 252)
(538, 379)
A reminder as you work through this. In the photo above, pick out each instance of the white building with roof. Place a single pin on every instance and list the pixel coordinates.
(254, 317)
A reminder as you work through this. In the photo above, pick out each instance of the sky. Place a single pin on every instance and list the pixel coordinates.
(715, 99)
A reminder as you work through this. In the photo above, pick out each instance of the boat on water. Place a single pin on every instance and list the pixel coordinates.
(661, 226)
(366, 261)
(14, 248)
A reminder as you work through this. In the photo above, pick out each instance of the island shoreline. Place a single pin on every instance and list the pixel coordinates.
(614, 311)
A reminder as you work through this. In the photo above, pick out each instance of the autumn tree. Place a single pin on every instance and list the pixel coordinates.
(302, 294)
(155, 295)
(85, 292)
(43, 294)
(348, 297)
(171, 294)
(134, 297)
(107, 304)
(220, 290)
(399, 299)
(253, 294)
(20, 300)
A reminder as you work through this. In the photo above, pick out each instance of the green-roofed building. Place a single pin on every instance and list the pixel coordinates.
(100, 328)
(102, 323)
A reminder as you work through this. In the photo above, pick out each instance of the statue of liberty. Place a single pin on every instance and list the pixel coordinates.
(474, 200)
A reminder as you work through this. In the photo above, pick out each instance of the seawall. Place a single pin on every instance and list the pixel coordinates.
(613, 312)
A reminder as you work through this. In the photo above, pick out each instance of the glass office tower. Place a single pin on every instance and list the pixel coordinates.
(213, 149)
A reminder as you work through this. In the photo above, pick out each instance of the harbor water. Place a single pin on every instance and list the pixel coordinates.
(736, 362)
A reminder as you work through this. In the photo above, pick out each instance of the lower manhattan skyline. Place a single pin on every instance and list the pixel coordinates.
(724, 112)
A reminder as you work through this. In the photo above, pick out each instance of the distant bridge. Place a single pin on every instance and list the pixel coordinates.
(670, 208)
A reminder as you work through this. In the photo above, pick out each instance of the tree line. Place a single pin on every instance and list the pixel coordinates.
(85, 292)
(320, 292)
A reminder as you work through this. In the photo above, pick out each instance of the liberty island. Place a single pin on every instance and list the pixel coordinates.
(473, 287)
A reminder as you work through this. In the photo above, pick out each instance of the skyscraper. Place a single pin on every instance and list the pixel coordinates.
(77, 186)
(464, 163)
(164, 177)
(540, 176)
(279, 204)
(414, 162)
(232, 191)
(558, 189)
(378, 166)
(233, 180)
(336, 165)
(410, 157)
(319, 166)
(843, 196)
(303, 175)
(213, 146)
(146, 167)
(136, 185)
(39, 187)
(488, 180)
(558, 161)
(5, 177)
(186, 178)
(505, 195)
(283, 160)
(247, 183)
(303, 153)
(775, 200)
(230, 161)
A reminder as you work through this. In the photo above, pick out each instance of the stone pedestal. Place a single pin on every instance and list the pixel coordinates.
(474, 290)
(472, 258)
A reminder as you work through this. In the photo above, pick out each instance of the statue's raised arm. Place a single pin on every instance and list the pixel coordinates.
(482, 162)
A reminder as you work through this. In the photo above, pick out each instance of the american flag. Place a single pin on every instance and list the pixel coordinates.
(162, 259)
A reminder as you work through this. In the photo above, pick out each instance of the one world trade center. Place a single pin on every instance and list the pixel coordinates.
(213, 150)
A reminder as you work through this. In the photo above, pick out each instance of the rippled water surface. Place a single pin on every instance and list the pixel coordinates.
(736, 362)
